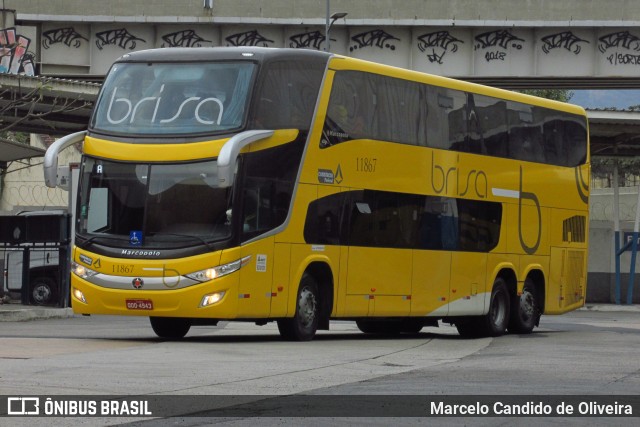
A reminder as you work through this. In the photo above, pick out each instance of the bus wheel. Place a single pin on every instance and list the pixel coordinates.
(524, 310)
(43, 291)
(304, 324)
(495, 322)
(492, 324)
(172, 328)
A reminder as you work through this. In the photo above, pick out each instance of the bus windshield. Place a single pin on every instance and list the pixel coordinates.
(152, 205)
(173, 98)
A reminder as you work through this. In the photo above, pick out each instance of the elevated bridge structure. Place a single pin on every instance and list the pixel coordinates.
(505, 43)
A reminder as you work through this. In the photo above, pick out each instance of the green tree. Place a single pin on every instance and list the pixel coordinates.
(21, 137)
(562, 95)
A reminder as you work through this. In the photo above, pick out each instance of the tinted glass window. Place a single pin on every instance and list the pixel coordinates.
(396, 220)
(564, 139)
(386, 109)
(525, 133)
(170, 205)
(268, 185)
(479, 225)
(488, 129)
(447, 119)
(287, 95)
(369, 106)
(382, 219)
(324, 218)
(173, 98)
(438, 224)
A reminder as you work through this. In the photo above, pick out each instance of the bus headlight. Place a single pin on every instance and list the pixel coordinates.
(211, 299)
(77, 294)
(82, 271)
(219, 271)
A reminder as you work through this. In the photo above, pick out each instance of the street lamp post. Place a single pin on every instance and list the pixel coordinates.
(331, 19)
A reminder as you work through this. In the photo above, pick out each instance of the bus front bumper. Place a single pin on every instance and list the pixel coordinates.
(213, 299)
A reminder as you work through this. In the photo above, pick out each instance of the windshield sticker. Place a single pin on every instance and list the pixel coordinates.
(135, 238)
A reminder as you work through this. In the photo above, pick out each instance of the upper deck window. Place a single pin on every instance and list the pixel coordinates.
(174, 98)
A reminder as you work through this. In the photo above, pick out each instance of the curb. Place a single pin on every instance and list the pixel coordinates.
(19, 314)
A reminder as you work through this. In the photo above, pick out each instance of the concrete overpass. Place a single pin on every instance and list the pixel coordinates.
(503, 43)
(506, 43)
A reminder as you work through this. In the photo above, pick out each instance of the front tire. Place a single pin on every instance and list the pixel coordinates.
(304, 324)
(171, 328)
(525, 312)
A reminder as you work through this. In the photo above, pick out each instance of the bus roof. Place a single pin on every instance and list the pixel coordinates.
(179, 54)
(266, 54)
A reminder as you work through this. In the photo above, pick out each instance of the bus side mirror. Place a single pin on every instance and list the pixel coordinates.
(50, 163)
(230, 151)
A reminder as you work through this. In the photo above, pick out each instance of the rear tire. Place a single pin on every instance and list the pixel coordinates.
(525, 312)
(171, 328)
(304, 324)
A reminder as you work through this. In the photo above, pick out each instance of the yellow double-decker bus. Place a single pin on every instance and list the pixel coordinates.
(298, 186)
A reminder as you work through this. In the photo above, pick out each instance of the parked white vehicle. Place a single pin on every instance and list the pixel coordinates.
(43, 274)
(44, 270)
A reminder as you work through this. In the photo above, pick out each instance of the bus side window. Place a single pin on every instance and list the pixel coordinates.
(448, 125)
(323, 224)
(438, 225)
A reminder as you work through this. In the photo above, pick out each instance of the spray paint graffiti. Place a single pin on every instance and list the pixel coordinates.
(374, 38)
(185, 38)
(14, 57)
(248, 38)
(565, 39)
(311, 39)
(439, 42)
(621, 40)
(68, 35)
(120, 38)
(500, 39)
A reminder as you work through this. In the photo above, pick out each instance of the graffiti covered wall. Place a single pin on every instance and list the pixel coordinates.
(90, 48)
(450, 51)
(15, 54)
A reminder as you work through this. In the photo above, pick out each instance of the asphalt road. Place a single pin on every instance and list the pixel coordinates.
(581, 353)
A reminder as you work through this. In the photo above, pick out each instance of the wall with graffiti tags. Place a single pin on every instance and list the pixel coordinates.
(452, 51)
(16, 54)
(458, 51)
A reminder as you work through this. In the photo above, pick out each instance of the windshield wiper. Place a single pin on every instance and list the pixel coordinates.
(85, 244)
(191, 236)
